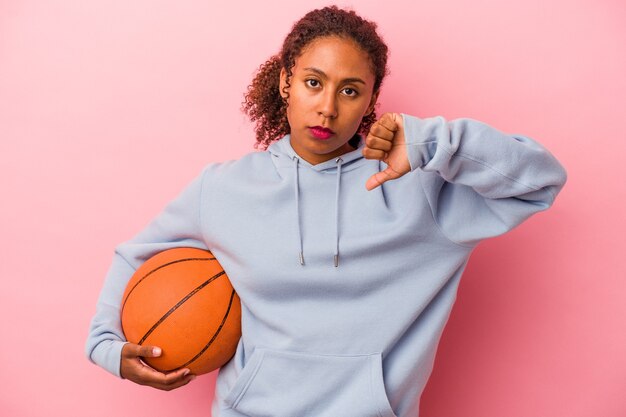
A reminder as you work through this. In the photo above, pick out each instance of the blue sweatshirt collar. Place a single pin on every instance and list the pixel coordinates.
(283, 151)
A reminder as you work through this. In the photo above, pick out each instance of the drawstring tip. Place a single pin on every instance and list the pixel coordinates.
(336, 261)
(301, 258)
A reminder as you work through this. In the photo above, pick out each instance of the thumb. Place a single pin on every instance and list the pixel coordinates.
(142, 351)
(381, 177)
(150, 351)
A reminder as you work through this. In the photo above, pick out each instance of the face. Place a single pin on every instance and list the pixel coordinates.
(330, 91)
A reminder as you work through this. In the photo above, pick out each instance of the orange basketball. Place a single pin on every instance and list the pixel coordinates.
(182, 301)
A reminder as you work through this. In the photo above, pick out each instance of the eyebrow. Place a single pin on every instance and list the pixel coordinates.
(323, 75)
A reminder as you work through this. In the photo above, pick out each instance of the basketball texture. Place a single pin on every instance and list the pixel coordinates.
(182, 301)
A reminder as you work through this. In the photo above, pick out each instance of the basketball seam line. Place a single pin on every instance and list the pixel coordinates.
(181, 302)
(156, 269)
(217, 332)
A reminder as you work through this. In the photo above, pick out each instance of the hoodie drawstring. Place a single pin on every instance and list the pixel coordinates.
(296, 162)
(339, 162)
(297, 189)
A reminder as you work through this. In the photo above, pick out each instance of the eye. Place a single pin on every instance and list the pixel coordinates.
(311, 82)
(350, 92)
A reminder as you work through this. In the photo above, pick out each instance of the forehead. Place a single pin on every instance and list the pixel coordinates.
(337, 58)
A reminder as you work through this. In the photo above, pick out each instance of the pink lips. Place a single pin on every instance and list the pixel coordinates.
(321, 132)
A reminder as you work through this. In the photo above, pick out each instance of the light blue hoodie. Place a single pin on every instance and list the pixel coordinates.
(345, 292)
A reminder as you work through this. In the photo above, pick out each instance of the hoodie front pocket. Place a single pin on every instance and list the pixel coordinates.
(293, 384)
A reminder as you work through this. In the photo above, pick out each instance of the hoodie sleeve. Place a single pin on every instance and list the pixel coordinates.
(178, 225)
(480, 182)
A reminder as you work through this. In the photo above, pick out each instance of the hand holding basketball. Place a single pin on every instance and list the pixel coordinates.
(134, 369)
(181, 301)
(386, 142)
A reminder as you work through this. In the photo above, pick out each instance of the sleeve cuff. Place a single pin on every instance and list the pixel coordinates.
(108, 354)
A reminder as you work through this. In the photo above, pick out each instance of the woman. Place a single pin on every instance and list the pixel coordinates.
(346, 278)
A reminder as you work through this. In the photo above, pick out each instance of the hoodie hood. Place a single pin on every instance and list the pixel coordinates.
(284, 156)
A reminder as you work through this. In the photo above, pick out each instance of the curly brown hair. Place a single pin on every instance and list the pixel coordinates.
(263, 103)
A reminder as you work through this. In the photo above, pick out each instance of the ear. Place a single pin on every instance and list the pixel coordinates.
(283, 83)
(370, 107)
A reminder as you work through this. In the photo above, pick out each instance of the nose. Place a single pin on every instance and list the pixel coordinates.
(328, 105)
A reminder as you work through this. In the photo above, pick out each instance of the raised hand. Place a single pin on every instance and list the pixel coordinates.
(385, 142)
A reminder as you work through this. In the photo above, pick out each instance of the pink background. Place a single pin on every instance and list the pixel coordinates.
(108, 108)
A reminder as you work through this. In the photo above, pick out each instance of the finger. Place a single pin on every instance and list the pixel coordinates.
(132, 350)
(146, 375)
(374, 142)
(171, 380)
(150, 351)
(144, 372)
(373, 182)
(178, 383)
(174, 377)
(380, 178)
(389, 122)
(378, 129)
(369, 153)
